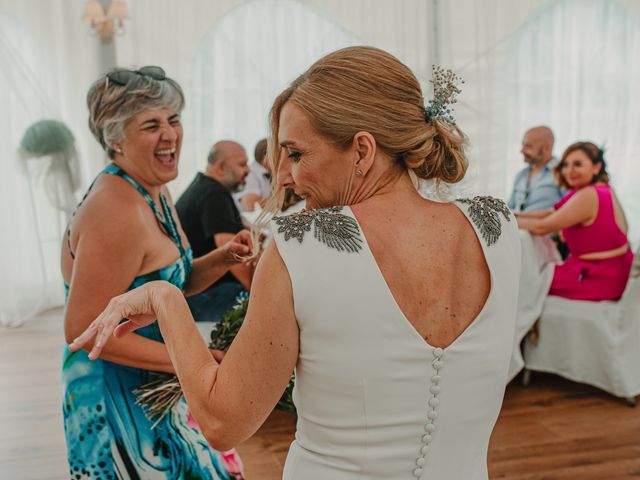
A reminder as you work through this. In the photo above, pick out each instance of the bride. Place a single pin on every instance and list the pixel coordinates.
(397, 312)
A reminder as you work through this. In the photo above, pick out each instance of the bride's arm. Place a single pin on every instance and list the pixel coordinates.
(232, 399)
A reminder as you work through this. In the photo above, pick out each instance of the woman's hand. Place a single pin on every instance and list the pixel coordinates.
(207, 269)
(239, 248)
(138, 307)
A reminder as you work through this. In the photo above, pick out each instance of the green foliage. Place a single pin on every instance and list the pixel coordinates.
(159, 396)
(224, 332)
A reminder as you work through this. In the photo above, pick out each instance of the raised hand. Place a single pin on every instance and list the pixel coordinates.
(138, 307)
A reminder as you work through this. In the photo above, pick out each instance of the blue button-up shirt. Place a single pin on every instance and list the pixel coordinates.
(541, 193)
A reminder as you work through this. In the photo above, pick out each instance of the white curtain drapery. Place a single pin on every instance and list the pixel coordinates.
(232, 57)
(570, 64)
(45, 60)
(564, 70)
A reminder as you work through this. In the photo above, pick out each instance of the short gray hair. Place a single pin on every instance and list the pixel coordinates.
(112, 105)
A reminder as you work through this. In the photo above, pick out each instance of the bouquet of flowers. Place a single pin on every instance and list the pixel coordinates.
(159, 396)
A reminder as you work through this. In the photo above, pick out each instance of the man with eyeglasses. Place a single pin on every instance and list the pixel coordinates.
(535, 186)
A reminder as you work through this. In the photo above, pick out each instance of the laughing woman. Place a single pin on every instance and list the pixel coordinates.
(123, 234)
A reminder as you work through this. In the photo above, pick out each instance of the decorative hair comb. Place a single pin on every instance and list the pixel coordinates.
(445, 88)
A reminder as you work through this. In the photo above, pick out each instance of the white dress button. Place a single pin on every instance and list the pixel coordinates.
(432, 414)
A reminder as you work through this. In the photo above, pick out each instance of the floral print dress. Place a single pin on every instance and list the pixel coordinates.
(108, 435)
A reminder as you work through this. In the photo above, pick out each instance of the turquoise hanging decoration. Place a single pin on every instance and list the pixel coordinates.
(47, 137)
(49, 147)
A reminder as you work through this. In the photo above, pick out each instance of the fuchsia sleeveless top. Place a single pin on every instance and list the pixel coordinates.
(603, 234)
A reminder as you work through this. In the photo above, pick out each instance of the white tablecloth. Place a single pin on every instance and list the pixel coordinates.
(539, 256)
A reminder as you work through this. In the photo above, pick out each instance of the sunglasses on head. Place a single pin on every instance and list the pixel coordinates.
(124, 76)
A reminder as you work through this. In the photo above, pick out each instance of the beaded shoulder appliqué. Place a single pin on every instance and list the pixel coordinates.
(334, 229)
(483, 212)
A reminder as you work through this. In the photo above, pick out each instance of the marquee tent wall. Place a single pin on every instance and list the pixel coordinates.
(569, 64)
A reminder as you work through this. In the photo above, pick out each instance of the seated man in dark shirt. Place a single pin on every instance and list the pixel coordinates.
(210, 218)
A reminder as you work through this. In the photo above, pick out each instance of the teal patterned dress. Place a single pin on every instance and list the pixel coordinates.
(109, 436)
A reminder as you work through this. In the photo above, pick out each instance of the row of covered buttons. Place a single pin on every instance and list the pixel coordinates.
(430, 427)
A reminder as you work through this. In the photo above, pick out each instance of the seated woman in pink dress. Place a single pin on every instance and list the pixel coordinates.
(593, 225)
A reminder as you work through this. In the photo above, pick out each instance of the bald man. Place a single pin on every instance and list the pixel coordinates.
(535, 186)
(210, 218)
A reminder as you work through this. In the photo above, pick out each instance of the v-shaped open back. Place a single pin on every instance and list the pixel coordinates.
(385, 290)
(368, 386)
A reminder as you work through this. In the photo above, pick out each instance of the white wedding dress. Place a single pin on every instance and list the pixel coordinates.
(374, 400)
